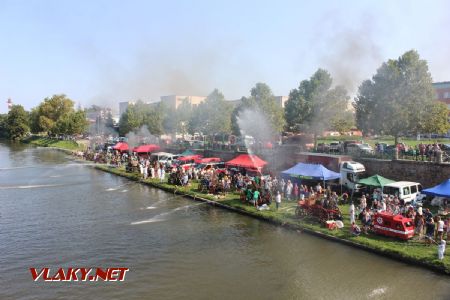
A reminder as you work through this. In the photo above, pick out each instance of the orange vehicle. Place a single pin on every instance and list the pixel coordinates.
(393, 225)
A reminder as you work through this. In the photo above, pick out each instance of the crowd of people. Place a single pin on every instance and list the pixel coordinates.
(261, 191)
(424, 152)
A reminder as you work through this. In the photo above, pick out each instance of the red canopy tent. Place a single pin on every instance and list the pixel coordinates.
(247, 161)
(207, 160)
(146, 148)
(122, 147)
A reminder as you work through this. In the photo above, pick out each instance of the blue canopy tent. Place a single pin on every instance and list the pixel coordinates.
(310, 172)
(440, 190)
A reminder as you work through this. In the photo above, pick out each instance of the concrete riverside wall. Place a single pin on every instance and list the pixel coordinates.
(427, 173)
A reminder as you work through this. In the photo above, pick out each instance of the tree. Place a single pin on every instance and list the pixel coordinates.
(212, 116)
(71, 123)
(47, 114)
(109, 120)
(141, 114)
(17, 122)
(344, 123)
(315, 107)
(3, 128)
(263, 101)
(398, 98)
(436, 116)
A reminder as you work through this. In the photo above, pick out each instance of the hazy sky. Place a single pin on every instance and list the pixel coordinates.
(109, 51)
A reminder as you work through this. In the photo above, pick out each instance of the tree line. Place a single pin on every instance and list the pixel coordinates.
(55, 115)
(398, 100)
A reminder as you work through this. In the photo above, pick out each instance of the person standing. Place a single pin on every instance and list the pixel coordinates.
(295, 191)
(352, 213)
(256, 196)
(363, 203)
(441, 250)
(289, 188)
(278, 199)
(439, 228)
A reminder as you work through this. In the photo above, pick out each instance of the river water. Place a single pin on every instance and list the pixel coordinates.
(56, 212)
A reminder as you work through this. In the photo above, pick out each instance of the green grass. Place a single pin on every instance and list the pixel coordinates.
(412, 250)
(49, 142)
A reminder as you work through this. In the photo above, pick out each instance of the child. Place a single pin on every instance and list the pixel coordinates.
(355, 230)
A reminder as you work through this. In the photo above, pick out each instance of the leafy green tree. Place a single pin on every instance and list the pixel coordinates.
(3, 128)
(71, 123)
(212, 116)
(436, 116)
(17, 122)
(315, 107)
(141, 114)
(344, 123)
(262, 99)
(396, 100)
(47, 114)
(109, 122)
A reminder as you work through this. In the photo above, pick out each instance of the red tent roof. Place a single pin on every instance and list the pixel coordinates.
(247, 161)
(207, 160)
(190, 157)
(146, 148)
(121, 146)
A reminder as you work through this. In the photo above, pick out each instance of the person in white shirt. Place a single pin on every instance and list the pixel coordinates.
(289, 187)
(278, 199)
(439, 228)
(352, 213)
(441, 250)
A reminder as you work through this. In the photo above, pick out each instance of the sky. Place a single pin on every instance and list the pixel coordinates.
(104, 52)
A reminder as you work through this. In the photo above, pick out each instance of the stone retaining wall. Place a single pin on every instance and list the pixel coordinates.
(427, 173)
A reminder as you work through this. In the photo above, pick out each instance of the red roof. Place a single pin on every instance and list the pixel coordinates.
(190, 157)
(207, 160)
(247, 161)
(146, 148)
(121, 146)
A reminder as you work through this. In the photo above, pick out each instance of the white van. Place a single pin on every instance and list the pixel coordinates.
(164, 157)
(404, 190)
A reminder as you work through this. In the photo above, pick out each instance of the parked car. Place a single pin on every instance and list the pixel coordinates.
(322, 147)
(359, 149)
(365, 148)
(335, 147)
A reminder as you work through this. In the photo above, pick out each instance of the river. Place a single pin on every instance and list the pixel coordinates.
(56, 212)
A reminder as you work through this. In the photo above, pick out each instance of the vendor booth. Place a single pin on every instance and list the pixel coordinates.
(248, 162)
(121, 147)
(146, 149)
(375, 181)
(316, 172)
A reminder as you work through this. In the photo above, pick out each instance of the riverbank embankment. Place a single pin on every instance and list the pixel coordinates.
(413, 251)
(67, 146)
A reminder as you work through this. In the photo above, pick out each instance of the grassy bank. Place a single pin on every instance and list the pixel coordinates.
(413, 251)
(50, 142)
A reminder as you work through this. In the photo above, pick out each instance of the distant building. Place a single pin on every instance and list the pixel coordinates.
(442, 92)
(281, 100)
(174, 101)
(123, 106)
(10, 104)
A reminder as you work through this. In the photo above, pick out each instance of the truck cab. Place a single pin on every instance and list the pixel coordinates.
(351, 172)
